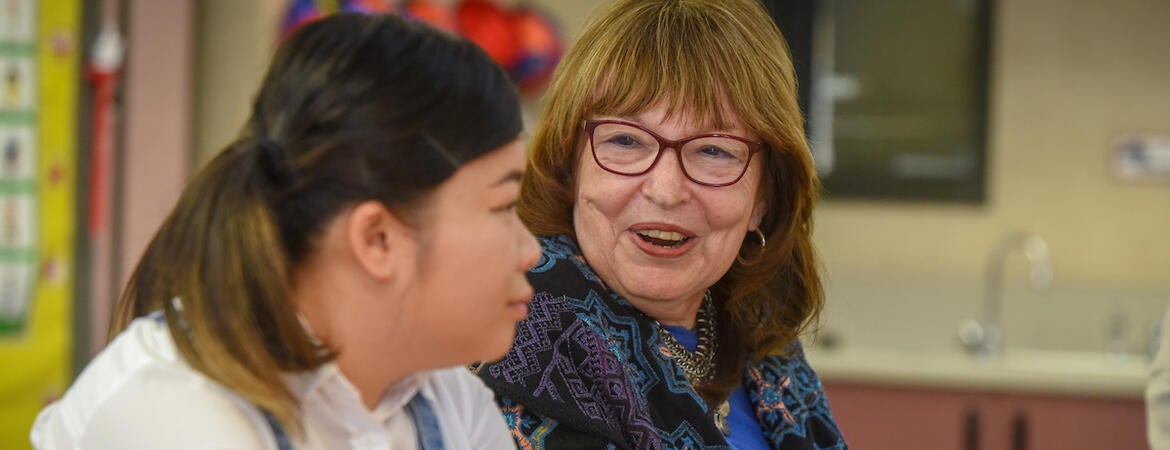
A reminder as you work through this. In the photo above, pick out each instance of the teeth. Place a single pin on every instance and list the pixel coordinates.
(664, 235)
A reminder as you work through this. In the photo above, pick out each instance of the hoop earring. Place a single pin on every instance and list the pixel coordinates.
(763, 242)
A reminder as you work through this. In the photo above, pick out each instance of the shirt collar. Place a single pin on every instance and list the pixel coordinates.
(328, 383)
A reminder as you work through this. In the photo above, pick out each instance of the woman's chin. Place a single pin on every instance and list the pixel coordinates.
(655, 287)
(498, 347)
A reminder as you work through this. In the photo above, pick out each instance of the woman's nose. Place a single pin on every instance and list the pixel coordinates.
(665, 183)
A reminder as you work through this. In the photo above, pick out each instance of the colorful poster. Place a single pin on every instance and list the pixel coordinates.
(18, 158)
(18, 20)
(39, 77)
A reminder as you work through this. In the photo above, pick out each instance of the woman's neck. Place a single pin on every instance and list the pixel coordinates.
(371, 374)
(673, 312)
(371, 386)
(339, 326)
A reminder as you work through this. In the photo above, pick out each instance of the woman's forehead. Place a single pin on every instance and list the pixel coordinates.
(666, 111)
(705, 107)
(682, 116)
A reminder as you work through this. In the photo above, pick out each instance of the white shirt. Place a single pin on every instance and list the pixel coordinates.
(138, 393)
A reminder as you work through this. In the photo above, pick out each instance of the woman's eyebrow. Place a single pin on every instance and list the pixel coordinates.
(514, 175)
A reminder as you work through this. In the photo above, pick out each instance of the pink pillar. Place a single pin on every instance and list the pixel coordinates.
(156, 151)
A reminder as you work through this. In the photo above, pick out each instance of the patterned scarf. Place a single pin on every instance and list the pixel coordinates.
(587, 370)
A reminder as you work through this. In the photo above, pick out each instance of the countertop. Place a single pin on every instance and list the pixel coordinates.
(1017, 370)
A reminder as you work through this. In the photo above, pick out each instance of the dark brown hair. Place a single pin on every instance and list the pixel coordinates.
(697, 56)
(353, 108)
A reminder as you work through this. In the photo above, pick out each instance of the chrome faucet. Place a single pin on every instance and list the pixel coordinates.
(983, 337)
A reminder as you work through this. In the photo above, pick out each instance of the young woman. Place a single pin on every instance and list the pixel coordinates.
(322, 283)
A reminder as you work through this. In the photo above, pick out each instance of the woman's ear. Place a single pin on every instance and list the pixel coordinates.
(757, 215)
(377, 238)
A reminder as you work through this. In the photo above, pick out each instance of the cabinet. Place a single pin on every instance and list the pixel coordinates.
(877, 417)
(909, 124)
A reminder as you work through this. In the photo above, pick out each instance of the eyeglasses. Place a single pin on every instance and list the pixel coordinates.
(628, 149)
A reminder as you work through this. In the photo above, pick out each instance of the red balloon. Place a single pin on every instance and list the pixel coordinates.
(489, 26)
(365, 6)
(540, 48)
(433, 13)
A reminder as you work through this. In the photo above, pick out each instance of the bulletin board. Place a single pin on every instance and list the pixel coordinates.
(39, 81)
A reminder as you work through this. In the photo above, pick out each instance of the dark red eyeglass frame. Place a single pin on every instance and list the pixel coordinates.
(664, 143)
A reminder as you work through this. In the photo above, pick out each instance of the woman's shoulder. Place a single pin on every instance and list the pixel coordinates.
(790, 401)
(136, 355)
(789, 368)
(138, 389)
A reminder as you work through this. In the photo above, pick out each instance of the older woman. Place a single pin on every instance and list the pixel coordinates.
(672, 186)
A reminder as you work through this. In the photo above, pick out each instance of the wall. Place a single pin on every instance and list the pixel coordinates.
(155, 146)
(235, 42)
(1068, 77)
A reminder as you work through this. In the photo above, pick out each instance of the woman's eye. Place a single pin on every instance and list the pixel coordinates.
(714, 152)
(623, 140)
(511, 207)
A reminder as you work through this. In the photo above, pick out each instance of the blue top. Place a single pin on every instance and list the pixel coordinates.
(746, 433)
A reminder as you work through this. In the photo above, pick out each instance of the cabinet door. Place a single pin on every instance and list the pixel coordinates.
(1055, 423)
(888, 418)
(891, 418)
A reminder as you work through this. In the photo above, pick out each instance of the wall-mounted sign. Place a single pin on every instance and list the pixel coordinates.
(1142, 157)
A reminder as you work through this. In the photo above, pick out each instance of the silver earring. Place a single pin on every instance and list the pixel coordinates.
(313, 339)
(763, 242)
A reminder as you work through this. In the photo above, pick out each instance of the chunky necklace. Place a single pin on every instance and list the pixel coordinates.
(699, 365)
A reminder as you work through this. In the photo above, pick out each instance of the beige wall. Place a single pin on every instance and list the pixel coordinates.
(1068, 76)
(236, 39)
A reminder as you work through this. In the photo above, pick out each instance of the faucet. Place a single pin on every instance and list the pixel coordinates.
(983, 337)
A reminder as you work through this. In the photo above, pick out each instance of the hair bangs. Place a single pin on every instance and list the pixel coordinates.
(654, 64)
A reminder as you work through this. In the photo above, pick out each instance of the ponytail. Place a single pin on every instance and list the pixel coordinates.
(219, 255)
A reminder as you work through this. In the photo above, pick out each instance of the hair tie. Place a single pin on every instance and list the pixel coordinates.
(274, 162)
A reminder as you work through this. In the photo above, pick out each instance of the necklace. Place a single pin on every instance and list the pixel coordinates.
(699, 364)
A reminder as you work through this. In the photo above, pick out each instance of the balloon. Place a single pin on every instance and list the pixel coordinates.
(365, 6)
(430, 12)
(299, 13)
(489, 26)
(539, 47)
(525, 41)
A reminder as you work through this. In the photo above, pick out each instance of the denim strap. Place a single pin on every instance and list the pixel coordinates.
(430, 437)
(277, 432)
